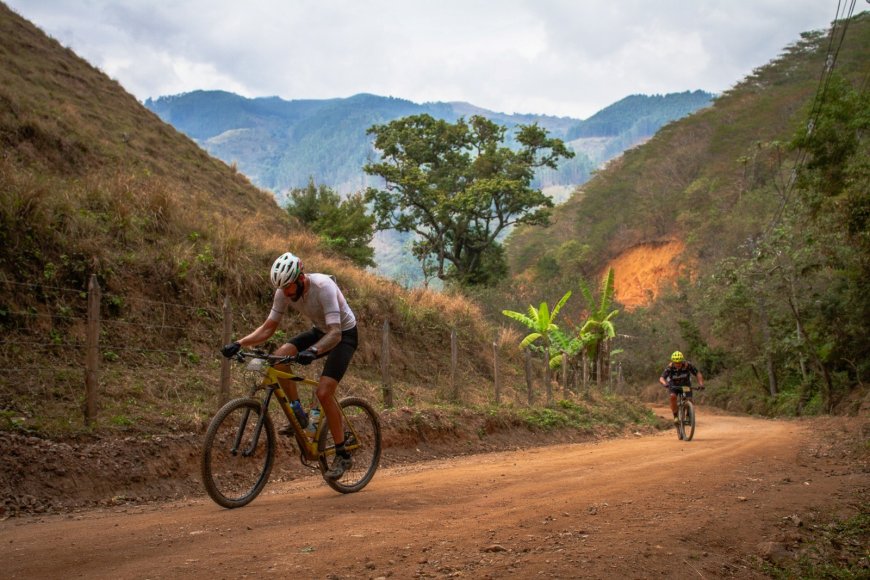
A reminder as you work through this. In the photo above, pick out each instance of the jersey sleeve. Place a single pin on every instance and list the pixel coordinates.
(331, 307)
(279, 306)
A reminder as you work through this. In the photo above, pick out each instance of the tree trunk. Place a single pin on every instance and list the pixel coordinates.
(828, 389)
(768, 355)
(800, 332)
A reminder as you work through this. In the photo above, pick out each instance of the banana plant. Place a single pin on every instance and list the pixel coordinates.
(540, 321)
(599, 327)
(567, 345)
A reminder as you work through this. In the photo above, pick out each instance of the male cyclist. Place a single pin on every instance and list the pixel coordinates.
(334, 335)
(678, 374)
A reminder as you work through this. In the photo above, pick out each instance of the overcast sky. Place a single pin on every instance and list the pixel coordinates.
(554, 57)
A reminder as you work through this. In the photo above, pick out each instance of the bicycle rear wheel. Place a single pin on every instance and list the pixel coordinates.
(238, 453)
(687, 420)
(363, 439)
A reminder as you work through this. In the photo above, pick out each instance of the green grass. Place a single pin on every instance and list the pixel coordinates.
(837, 550)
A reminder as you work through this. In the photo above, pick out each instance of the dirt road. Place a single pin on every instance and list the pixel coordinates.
(638, 507)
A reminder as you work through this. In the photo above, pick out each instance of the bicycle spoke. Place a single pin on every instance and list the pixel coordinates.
(238, 453)
(362, 440)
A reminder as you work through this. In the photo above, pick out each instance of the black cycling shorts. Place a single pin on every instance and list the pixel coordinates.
(337, 359)
(678, 390)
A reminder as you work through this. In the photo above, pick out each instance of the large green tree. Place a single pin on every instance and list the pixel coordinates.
(458, 187)
(343, 225)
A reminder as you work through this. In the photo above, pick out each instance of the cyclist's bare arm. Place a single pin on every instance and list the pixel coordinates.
(263, 333)
(328, 341)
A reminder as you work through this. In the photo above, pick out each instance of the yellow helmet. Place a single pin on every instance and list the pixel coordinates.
(677, 357)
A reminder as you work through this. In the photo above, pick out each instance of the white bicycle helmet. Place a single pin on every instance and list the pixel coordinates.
(285, 270)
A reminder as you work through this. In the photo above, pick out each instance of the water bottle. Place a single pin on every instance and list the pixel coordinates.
(299, 412)
(313, 419)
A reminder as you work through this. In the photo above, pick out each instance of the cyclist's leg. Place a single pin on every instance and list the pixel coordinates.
(337, 361)
(296, 344)
(288, 386)
(326, 395)
(673, 397)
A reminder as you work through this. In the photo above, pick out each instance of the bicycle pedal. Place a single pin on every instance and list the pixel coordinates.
(305, 462)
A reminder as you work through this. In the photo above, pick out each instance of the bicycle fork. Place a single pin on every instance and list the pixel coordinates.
(252, 446)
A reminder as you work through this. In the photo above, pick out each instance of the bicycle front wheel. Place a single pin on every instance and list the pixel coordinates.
(362, 436)
(238, 453)
(687, 420)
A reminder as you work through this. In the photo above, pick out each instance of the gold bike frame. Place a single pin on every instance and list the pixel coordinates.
(307, 441)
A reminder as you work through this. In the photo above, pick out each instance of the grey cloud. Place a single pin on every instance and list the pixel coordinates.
(559, 56)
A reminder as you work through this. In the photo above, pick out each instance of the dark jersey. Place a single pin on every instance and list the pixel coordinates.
(680, 376)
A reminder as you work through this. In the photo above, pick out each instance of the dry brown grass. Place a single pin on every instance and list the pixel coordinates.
(92, 183)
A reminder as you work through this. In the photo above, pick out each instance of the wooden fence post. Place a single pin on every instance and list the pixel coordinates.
(620, 384)
(495, 376)
(528, 356)
(548, 378)
(454, 386)
(92, 351)
(386, 380)
(226, 337)
(564, 374)
(585, 373)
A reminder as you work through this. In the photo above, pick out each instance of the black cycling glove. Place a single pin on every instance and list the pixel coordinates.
(230, 350)
(306, 357)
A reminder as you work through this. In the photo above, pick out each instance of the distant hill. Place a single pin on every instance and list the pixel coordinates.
(689, 179)
(279, 144)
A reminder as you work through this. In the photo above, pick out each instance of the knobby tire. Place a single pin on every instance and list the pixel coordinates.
(687, 421)
(365, 457)
(233, 478)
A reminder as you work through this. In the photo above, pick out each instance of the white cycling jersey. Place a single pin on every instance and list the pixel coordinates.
(323, 304)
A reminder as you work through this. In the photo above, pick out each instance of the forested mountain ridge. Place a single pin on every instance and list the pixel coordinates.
(280, 144)
(760, 200)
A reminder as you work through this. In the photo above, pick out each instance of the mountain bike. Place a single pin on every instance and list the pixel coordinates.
(239, 448)
(685, 414)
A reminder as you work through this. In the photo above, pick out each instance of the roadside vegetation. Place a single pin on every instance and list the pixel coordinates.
(767, 192)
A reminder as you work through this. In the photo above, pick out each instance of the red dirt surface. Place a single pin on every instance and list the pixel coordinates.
(641, 506)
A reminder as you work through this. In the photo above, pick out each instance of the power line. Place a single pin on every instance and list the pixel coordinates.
(818, 102)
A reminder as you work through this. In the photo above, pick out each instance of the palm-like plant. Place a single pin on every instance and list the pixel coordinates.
(599, 328)
(540, 321)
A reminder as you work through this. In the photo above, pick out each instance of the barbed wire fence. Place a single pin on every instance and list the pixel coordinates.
(73, 345)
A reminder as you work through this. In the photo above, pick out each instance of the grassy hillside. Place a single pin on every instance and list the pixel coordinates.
(94, 184)
(691, 180)
(716, 183)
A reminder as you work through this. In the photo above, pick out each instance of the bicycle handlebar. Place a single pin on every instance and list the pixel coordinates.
(693, 387)
(271, 358)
